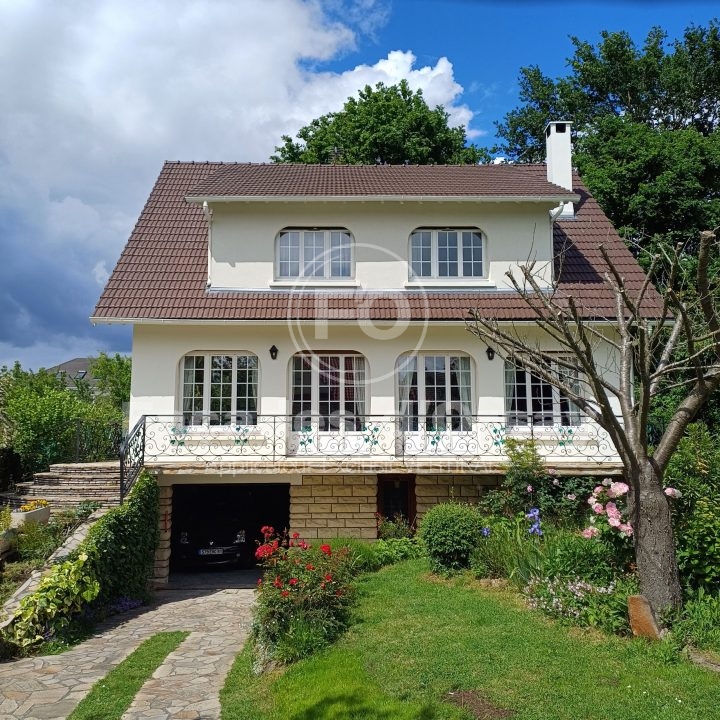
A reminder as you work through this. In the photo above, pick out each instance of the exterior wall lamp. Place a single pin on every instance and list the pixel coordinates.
(490, 353)
(273, 352)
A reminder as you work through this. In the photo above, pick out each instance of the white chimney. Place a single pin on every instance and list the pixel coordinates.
(559, 159)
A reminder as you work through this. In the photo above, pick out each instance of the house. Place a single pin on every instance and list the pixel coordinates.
(300, 351)
(75, 371)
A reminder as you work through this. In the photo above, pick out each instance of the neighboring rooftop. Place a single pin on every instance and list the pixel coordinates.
(74, 370)
(162, 272)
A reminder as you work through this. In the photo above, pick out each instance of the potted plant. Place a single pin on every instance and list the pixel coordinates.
(34, 511)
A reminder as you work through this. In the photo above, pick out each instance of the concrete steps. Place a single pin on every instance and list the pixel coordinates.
(67, 485)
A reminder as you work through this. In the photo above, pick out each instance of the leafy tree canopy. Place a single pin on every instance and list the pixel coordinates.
(386, 124)
(113, 376)
(646, 128)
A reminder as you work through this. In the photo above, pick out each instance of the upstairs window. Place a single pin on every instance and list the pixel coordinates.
(220, 389)
(321, 254)
(448, 253)
(531, 400)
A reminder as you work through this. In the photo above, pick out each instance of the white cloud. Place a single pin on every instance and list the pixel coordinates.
(97, 93)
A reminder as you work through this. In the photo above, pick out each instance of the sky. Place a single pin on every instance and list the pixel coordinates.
(96, 94)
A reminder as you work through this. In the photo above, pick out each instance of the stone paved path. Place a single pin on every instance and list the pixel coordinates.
(185, 686)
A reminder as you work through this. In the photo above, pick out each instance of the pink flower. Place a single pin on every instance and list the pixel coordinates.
(626, 529)
(590, 532)
(607, 482)
(612, 510)
(598, 489)
(614, 521)
(556, 482)
(598, 508)
(529, 488)
(617, 489)
(571, 496)
(592, 500)
(673, 493)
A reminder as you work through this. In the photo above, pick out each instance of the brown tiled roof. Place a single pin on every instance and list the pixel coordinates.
(162, 271)
(245, 180)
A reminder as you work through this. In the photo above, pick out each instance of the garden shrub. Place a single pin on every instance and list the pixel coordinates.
(303, 599)
(361, 555)
(602, 606)
(699, 622)
(122, 544)
(567, 555)
(61, 595)
(450, 531)
(395, 527)
(508, 549)
(395, 550)
(693, 471)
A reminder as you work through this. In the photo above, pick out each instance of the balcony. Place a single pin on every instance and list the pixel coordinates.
(387, 443)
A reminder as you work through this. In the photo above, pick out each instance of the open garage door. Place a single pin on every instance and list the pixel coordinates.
(219, 525)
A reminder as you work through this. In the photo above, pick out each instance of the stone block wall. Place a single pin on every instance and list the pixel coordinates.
(162, 554)
(328, 506)
(433, 489)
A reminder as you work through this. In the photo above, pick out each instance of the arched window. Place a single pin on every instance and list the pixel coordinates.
(434, 392)
(447, 253)
(220, 389)
(532, 400)
(328, 390)
(323, 254)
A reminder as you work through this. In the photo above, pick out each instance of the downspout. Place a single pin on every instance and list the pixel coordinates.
(207, 212)
(554, 214)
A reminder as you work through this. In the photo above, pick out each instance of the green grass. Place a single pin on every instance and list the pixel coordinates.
(110, 697)
(417, 639)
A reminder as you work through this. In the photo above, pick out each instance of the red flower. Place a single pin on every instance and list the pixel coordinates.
(259, 582)
(293, 581)
(328, 577)
(278, 582)
(296, 535)
(309, 567)
(304, 545)
(338, 592)
(322, 586)
(326, 549)
(285, 593)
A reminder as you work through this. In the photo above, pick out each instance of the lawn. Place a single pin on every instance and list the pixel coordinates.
(418, 638)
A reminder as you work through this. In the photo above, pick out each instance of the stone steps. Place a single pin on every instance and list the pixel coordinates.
(67, 485)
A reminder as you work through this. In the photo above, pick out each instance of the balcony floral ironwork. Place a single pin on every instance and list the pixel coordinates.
(273, 438)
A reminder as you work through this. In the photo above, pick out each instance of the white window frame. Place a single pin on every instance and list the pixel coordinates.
(540, 418)
(459, 415)
(326, 255)
(346, 422)
(435, 253)
(206, 417)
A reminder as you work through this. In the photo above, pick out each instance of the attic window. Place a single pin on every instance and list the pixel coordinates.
(314, 253)
(80, 374)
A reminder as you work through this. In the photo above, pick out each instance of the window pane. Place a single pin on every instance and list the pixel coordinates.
(329, 392)
(246, 390)
(193, 388)
(340, 260)
(515, 395)
(221, 389)
(421, 254)
(314, 254)
(408, 393)
(472, 254)
(447, 253)
(289, 260)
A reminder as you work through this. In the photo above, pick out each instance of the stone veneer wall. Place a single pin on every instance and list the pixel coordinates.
(433, 489)
(328, 506)
(162, 554)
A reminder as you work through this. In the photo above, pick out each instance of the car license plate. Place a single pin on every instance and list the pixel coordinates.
(210, 551)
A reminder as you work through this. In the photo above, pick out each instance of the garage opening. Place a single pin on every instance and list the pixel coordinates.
(218, 526)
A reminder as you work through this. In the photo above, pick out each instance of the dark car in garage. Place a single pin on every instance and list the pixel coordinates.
(218, 525)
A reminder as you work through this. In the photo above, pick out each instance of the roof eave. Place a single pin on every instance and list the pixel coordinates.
(560, 197)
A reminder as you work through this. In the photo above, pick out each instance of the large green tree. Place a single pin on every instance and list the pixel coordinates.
(385, 124)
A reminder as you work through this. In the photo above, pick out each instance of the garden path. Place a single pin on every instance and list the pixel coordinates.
(185, 686)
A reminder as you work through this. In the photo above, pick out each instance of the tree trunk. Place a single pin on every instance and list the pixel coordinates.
(654, 544)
